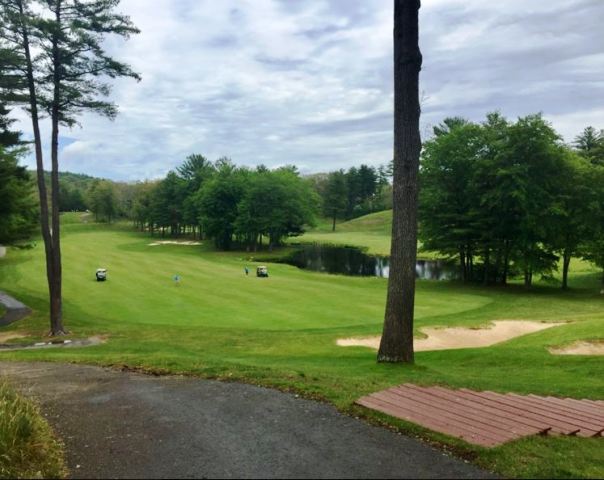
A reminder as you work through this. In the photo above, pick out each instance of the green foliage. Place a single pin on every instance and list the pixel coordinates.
(102, 200)
(218, 201)
(335, 198)
(353, 193)
(505, 198)
(18, 213)
(590, 144)
(276, 204)
(28, 448)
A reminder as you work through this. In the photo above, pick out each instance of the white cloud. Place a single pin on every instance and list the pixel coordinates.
(310, 83)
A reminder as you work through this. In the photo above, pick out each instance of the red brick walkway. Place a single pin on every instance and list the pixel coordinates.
(487, 418)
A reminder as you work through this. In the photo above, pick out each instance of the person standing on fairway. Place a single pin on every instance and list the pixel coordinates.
(177, 279)
(247, 271)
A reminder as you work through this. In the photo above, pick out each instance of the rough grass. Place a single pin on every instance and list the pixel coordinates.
(28, 448)
(281, 331)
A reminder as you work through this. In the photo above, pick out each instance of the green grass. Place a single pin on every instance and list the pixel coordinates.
(281, 331)
(28, 448)
(371, 232)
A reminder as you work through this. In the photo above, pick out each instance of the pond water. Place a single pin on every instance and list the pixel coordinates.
(353, 261)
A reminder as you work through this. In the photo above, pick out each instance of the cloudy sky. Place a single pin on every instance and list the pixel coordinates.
(309, 82)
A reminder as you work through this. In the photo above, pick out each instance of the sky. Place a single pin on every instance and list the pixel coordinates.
(309, 82)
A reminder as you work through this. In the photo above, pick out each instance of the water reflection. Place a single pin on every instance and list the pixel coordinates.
(352, 261)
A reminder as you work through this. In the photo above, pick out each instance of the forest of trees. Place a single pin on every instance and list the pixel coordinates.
(355, 192)
(173, 205)
(227, 203)
(510, 198)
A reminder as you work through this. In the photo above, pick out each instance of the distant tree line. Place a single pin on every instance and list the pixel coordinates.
(232, 205)
(355, 192)
(510, 198)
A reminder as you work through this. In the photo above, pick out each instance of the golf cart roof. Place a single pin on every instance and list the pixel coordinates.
(101, 270)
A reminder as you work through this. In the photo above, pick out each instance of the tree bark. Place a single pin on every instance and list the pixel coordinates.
(397, 338)
(487, 259)
(506, 262)
(333, 227)
(56, 301)
(42, 192)
(565, 267)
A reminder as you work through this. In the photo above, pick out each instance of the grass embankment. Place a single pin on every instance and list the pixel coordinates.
(281, 332)
(370, 232)
(28, 448)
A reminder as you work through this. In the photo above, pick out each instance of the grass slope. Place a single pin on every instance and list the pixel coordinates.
(281, 331)
(371, 231)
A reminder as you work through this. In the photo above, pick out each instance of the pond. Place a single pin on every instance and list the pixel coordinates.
(353, 261)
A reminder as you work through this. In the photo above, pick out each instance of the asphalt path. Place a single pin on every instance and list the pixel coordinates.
(126, 425)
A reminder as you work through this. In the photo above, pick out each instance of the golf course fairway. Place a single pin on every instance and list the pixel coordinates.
(281, 331)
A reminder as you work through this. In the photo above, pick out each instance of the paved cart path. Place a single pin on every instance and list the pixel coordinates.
(119, 425)
(15, 310)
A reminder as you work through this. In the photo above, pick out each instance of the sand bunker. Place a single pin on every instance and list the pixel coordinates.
(2, 251)
(173, 242)
(460, 337)
(580, 348)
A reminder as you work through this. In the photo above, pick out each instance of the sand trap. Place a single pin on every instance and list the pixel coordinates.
(5, 337)
(173, 242)
(580, 348)
(460, 337)
(2, 251)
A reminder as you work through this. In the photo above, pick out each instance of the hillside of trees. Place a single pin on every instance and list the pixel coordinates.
(511, 198)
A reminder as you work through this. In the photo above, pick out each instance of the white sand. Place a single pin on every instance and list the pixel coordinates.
(460, 337)
(580, 348)
(5, 337)
(173, 242)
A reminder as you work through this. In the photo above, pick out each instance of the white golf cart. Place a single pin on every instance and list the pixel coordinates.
(262, 271)
(101, 274)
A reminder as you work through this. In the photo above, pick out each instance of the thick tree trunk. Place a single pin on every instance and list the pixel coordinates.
(56, 301)
(565, 267)
(397, 338)
(333, 226)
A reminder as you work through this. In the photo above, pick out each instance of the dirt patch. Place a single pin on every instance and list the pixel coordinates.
(580, 348)
(460, 337)
(5, 337)
(173, 242)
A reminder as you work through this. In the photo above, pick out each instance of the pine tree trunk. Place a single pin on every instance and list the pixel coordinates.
(397, 338)
(42, 192)
(565, 267)
(56, 301)
(462, 264)
(506, 262)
